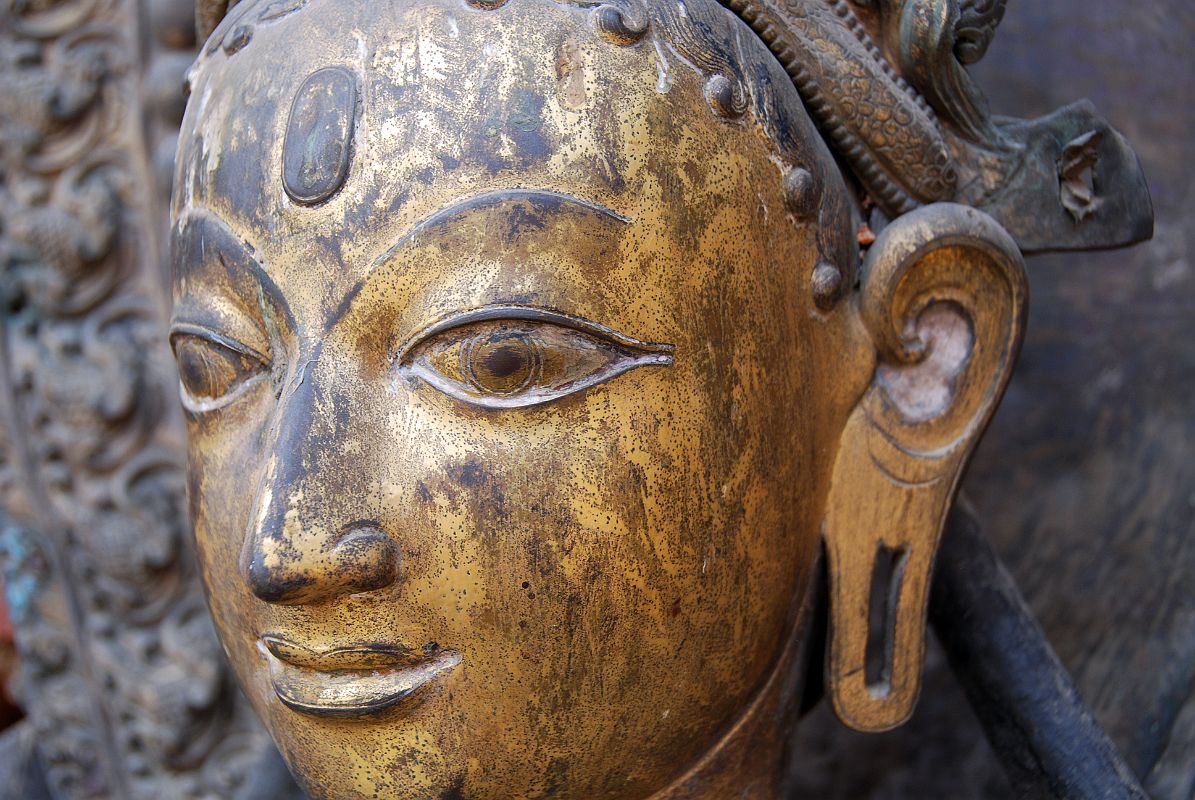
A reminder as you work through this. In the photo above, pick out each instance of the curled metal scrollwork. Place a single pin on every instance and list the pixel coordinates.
(931, 41)
(887, 82)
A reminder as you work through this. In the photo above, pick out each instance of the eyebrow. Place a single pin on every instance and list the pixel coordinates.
(201, 221)
(545, 199)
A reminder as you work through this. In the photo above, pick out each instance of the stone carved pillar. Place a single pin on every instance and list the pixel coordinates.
(121, 672)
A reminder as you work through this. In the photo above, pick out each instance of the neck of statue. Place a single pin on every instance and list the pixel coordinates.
(748, 761)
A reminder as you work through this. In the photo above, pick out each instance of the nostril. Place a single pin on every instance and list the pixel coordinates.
(276, 585)
(361, 558)
(367, 557)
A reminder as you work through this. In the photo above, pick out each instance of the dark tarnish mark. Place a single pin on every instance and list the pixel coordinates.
(331, 248)
(358, 215)
(522, 218)
(345, 304)
(342, 404)
(484, 495)
(237, 171)
(471, 473)
(524, 125)
(193, 485)
(778, 122)
(485, 146)
(519, 119)
(319, 134)
(498, 503)
(202, 241)
(557, 776)
(456, 791)
(275, 584)
(400, 199)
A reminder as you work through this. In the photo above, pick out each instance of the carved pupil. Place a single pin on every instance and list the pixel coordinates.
(502, 362)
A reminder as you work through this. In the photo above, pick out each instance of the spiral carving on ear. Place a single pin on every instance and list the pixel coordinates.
(944, 296)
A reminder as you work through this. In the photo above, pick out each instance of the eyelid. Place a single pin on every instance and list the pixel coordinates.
(531, 313)
(203, 332)
(548, 355)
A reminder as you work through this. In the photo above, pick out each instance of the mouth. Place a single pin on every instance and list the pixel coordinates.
(352, 681)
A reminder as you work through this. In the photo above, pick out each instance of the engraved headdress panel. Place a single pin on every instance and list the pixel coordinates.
(886, 82)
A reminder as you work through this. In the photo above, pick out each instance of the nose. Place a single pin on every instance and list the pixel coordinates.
(312, 536)
(361, 558)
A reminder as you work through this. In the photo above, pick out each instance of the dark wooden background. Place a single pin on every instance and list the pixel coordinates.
(1086, 479)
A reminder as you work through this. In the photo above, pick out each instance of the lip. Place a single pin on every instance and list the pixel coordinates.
(355, 680)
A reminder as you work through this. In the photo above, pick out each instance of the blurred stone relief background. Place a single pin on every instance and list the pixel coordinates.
(119, 671)
(1086, 481)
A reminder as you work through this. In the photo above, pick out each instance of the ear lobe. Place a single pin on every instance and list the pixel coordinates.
(944, 296)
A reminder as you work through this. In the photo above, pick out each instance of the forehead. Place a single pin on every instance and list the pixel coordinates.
(323, 133)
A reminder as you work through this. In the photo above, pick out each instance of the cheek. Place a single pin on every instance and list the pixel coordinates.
(649, 524)
(224, 453)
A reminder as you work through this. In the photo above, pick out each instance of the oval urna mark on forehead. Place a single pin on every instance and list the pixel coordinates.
(319, 135)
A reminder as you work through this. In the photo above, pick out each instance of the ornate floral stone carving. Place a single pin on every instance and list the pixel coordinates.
(121, 672)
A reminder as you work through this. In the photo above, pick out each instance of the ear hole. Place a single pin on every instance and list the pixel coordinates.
(886, 578)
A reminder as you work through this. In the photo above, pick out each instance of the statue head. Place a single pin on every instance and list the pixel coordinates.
(529, 361)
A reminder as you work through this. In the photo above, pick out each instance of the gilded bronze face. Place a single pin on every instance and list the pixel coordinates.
(516, 354)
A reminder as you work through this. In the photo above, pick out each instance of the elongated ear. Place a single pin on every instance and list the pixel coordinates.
(944, 297)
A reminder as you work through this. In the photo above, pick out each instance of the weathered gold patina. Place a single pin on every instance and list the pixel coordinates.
(528, 360)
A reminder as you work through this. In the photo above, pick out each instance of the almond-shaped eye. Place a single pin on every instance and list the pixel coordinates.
(510, 357)
(212, 370)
